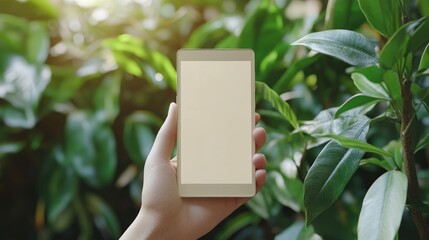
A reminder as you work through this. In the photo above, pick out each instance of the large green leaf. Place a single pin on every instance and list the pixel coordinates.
(383, 15)
(383, 207)
(331, 171)
(349, 46)
(326, 123)
(138, 135)
(369, 88)
(356, 101)
(399, 44)
(283, 107)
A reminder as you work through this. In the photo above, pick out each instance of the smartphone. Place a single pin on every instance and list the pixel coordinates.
(216, 107)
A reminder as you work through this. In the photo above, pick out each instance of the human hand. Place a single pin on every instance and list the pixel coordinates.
(163, 213)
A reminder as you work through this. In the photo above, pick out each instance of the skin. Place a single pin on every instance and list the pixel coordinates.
(163, 213)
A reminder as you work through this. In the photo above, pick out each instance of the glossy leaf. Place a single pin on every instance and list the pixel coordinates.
(383, 207)
(283, 107)
(424, 61)
(356, 144)
(369, 88)
(383, 15)
(356, 101)
(331, 171)
(326, 123)
(138, 135)
(372, 73)
(104, 217)
(37, 43)
(348, 46)
(397, 46)
(378, 162)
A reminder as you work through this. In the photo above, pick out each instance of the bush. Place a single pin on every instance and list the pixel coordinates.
(84, 88)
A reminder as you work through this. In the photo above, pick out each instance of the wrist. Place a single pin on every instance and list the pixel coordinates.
(144, 226)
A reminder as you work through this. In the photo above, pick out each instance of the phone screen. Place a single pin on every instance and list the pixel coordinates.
(216, 122)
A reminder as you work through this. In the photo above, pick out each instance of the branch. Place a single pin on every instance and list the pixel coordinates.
(408, 156)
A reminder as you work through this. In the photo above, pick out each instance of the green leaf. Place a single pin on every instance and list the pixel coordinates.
(348, 46)
(61, 189)
(18, 117)
(90, 148)
(331, 171)
(343, 14)
(383, 207)
(391, 81)
(398, 45)
(209, 34)
(37, 43)
(356, 101)
(325, 123)
(372, 73)
(267, 20)
(236, 224)
(285, 80)
(283, 107)
(424, 61)
(263, 204)
(287, 191)
(423, 143)
(369, 88)
(138, 135)
(356, 144)
(419, 36)
(378, 162)
(104, 217)
(383, 15)
(297, 231)
(106, 98)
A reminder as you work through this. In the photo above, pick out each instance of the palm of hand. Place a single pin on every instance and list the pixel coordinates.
(187, 218)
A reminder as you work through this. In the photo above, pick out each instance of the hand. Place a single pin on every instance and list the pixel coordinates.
(164, 214)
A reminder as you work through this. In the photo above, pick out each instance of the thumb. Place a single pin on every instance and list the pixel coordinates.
(166, 137)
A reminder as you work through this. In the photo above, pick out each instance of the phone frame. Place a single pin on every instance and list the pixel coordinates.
(216, 190)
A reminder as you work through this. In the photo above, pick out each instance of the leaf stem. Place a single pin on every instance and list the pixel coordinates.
(408, 156)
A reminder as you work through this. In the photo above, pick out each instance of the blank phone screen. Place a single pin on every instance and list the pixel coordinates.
(216, 122)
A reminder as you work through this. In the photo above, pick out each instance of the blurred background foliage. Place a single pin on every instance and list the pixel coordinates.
(85, 85)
